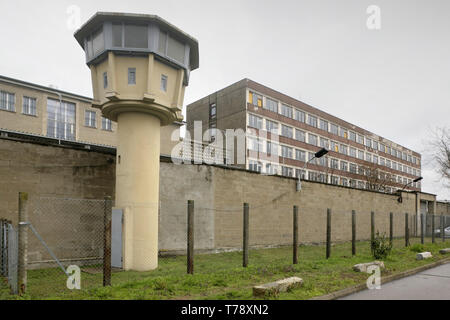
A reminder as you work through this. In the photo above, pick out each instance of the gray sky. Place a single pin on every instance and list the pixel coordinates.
(392, 81)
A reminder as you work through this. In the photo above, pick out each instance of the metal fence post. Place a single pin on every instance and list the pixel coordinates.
(433, 238)
(2, 246)
(391, 228)
(107, 242)
(422, 229)
(406, 230)
(245, 236)
(23, 242)
(295, 236)
(328, 253)
(353, 232)
(190, 237)
(372, 227)
(442, 228)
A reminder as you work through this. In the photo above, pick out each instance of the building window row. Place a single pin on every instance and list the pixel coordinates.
(312, 139)
(314, 121)
(325, 177)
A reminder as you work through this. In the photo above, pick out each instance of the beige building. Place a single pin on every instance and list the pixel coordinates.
(357, 157)
(43, 111)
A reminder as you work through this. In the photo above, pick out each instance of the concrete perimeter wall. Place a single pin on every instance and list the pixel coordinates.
(218, 192)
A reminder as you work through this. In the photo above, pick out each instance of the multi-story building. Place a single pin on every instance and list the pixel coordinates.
(356, 158)
(43, 111)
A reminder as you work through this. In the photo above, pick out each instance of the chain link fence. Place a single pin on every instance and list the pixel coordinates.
(193, 238)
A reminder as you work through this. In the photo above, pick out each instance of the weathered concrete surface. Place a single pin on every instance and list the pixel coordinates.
(444, 251)
(276, 287)
(362, 267)
(432, 284)
(423, 255)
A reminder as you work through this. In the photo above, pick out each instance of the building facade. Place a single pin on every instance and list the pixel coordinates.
(356, 158)
(43, 111)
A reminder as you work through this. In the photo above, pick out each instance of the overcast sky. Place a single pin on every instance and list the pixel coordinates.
(393, 81)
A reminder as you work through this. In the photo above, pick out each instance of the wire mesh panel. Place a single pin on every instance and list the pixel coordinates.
(63, 233)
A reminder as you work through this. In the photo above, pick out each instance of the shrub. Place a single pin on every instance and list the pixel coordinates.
(417, 248)
(380, 246)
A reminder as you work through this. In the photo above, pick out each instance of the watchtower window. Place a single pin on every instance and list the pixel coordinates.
(131, 76)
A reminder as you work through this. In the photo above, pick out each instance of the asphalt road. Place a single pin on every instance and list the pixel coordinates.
(431, 284)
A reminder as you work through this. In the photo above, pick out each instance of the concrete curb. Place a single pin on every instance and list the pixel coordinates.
(360, 287)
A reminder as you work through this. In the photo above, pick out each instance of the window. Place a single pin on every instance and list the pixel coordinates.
(321, 178)
(334, 129)
(286, 111)
(394, 165)
(375, 159)
(381, 147)
(287, 131)
(368, 143)
(98, 42)
(312, 121)
(360, 154)
(254, 121)
(117, 35)
(352, 152)
(400, 168)
(375, 145)
(212, 111)
(105, 80)
(344, 182)
(287, 172)
(324, 143)
(300, 174)
(29, 106)
(353, 168)
(271, 105)
(352, 183)
(388, 150)
(323, 125)
(131, 76)
(334, 164)
(388, 163)
(343, 133)
(176, 50)
(164, 83)
(344, 149)
(271, 126)
(299, 115)
(409, 158)
(344, 166)
(368, 157)
(334, 180)
(7, 101)
(272, 148)
(271, 169)
(382, 163)
(361, 185)
(300, 155)
(334, 146)
(106, 124)
(300, 135)
(312, 139)
(136, 36)
(323, 161)
(286, 152)
(352, 136)
(255, 144)
(312, 176)
(89, 119)
(255, 99)
(360, 139)
(254, 166)
(60, 120)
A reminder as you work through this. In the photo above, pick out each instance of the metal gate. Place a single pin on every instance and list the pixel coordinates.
(9, 255)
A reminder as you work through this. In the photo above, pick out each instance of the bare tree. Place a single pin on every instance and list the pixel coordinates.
(441, 152)
(376, 179)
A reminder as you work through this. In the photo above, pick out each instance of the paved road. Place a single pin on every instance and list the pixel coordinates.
(431, 284)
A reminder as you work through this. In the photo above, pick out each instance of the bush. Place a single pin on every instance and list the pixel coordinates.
(380, 246)
(417, 248)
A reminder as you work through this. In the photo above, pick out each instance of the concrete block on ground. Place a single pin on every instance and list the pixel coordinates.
(277, 287)
(362, 267)
(424, 255)
(444, 251)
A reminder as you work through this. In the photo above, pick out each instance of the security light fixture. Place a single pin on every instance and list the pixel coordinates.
(317, 155)
(400, 198)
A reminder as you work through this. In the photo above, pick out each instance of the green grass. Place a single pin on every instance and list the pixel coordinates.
(221, 276)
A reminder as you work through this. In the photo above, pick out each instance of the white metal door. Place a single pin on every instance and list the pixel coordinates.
(116, 238)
